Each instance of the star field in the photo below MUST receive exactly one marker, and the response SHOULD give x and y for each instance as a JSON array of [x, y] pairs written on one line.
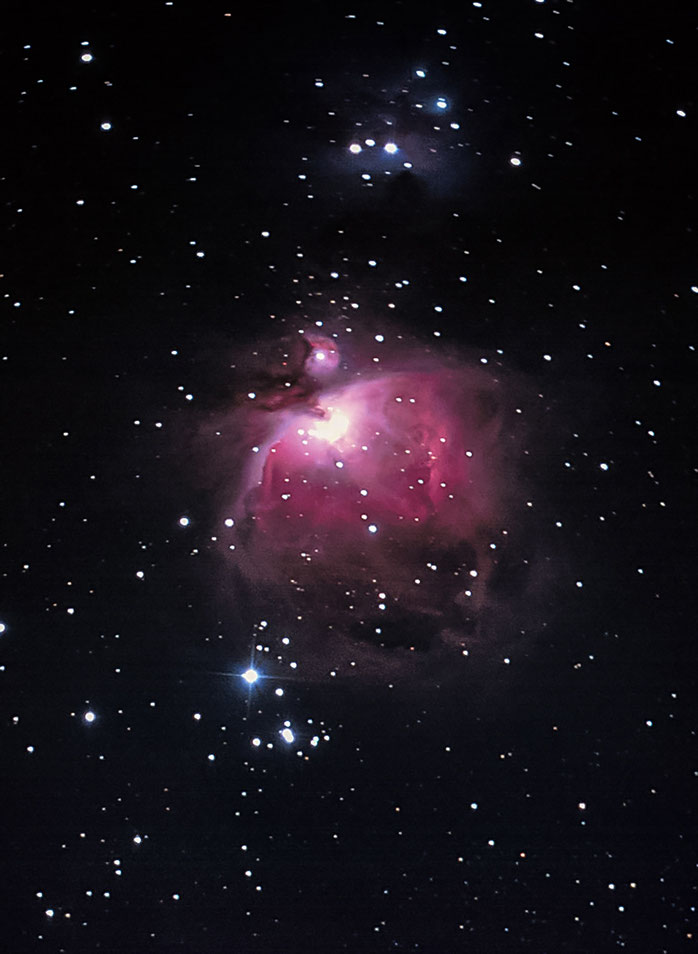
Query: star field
[[349, 365]]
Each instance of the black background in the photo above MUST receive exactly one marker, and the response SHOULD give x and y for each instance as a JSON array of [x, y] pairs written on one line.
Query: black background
[[370, 843]]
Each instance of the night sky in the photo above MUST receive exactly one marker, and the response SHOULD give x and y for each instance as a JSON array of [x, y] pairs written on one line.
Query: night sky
[[348, 552]]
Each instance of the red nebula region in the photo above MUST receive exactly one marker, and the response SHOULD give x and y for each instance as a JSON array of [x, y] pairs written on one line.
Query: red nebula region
[[376, 492], [375, 459]]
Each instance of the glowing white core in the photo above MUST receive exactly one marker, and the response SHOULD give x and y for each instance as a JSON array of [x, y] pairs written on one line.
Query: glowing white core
[[250, 676], [332, 428]]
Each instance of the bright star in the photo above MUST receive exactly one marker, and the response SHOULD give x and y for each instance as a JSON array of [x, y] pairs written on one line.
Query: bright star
[[250, 676]]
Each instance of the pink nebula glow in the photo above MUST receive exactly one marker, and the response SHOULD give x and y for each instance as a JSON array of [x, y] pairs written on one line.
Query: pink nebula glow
[[379, 496]]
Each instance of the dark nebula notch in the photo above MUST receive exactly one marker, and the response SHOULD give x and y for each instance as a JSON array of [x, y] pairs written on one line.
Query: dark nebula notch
[[373, 496]]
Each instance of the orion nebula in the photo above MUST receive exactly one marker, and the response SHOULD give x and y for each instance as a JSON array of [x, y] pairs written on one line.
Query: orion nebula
[[373, 486]]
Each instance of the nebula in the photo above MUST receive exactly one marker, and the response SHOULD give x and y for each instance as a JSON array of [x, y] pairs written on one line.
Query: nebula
[[374, 489]]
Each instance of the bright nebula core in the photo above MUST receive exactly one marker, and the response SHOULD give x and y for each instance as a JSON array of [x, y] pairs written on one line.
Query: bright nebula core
[[375, 489]]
